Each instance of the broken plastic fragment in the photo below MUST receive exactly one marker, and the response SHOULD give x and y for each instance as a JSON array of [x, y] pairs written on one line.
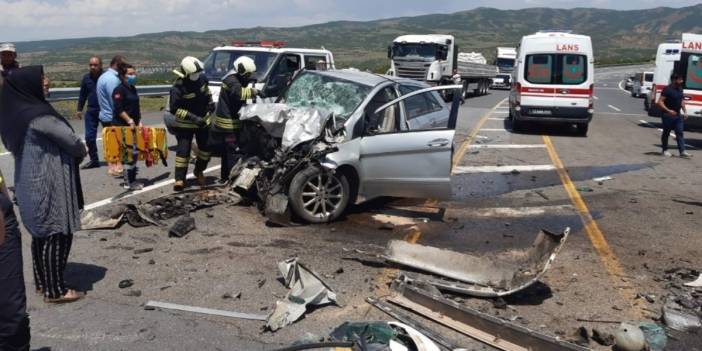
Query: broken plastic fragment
[[306, 288], [486, 276], [696, 284]]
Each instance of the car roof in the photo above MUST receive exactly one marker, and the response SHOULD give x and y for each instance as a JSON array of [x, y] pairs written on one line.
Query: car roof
[[367, 78], [271, 49]]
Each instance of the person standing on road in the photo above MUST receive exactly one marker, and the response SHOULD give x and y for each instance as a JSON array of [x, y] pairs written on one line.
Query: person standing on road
[[88, 93], [458, 80], [127, 113], [14, 322], [191, 103], [8, 58], [106, 85], [234, 95], [672, 105], [47, 153]]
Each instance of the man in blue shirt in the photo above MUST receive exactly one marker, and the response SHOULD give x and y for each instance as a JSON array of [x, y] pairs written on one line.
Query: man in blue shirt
[[106, 84], [672, 104], [88, 93]]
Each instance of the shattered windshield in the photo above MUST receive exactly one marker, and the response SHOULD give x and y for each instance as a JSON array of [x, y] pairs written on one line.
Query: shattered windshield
[[338, 96], [414, 51]]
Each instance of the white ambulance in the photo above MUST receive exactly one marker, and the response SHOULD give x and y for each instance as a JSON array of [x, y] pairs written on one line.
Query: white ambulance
[[668, 53], [690, 66], [684, 58], [553, 80]]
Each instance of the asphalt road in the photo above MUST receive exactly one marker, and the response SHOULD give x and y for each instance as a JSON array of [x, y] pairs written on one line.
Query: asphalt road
[[626, 232]]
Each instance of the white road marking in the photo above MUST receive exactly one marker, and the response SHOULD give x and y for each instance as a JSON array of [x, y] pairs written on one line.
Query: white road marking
[[614, 108], [502, 169], [508, 146], [108, 201], [513, 212], [595, 97], [497, 118]]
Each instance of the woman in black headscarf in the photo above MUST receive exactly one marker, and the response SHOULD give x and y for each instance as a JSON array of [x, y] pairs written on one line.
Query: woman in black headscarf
[[47, 182]]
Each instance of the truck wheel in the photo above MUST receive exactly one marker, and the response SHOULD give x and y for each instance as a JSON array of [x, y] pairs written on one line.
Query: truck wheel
[[582, 129], [319, 196], [517, 125]]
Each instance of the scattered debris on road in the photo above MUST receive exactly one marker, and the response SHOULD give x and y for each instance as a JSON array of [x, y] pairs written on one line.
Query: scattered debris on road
[[382, 335], [484, 276], [490, 330], [182, 226], [629, 337], [601, 180], [126, 283], [695, 284], [171, 306], [306, 288]]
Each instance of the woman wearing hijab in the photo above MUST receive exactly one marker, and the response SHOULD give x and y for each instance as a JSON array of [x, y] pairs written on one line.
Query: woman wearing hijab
[[127, 112], [47, 182]]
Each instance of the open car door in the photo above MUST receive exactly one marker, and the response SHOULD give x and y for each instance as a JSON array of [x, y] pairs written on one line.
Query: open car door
[[405, 159]]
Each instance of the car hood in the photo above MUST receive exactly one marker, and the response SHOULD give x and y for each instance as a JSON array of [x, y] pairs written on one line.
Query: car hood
[[294, 125]]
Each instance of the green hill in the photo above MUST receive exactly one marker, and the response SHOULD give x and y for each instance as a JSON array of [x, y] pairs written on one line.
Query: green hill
[[618, 37]]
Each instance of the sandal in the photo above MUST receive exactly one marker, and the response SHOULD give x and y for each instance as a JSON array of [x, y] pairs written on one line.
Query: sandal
[[66, 298]]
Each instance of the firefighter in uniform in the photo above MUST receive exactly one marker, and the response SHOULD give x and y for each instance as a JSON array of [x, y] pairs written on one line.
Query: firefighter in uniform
[[235, 94], [190, 103]]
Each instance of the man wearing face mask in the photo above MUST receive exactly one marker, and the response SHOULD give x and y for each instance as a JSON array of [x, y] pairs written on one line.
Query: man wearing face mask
[[235, 94], [191, 103]]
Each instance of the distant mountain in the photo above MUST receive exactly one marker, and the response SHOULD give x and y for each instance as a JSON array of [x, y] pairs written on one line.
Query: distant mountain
[[618, 36]]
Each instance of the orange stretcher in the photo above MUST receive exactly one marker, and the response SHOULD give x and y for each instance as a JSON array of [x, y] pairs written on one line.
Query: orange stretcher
[[151, 144]]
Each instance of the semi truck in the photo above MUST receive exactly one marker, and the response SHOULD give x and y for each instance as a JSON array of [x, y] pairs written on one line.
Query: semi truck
[[432, 58], [505, 58]]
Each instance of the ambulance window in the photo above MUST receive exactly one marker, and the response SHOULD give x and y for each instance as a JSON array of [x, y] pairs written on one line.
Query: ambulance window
[[648, 77], [539, 68], [573, 69], [693, 78]]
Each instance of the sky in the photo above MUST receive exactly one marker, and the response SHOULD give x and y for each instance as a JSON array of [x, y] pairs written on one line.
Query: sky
[[24, 20]]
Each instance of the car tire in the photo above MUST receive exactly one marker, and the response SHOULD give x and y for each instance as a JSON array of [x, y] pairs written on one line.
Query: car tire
[[312, 189], [582, 129]]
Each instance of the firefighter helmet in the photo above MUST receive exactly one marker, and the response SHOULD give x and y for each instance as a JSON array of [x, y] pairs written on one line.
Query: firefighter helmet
[[244, 65], [191, 66]]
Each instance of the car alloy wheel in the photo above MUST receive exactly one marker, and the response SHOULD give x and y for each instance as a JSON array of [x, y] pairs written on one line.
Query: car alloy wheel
[[318, 196]]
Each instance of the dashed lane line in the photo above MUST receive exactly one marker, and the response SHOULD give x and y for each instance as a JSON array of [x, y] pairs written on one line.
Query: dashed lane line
[[129, 194], [614, 108], [458, 156], [597, 238], [495, 130]]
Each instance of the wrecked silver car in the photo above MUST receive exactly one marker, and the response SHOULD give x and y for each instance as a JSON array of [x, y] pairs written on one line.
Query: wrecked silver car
[[340, 137]]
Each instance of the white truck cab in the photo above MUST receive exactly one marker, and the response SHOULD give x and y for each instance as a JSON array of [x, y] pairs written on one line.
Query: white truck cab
[[427, 57], [275, 64], [505, 59], [553, 80]]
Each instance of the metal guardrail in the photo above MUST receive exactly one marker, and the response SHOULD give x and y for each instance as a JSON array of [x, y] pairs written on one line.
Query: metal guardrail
[[65, 94]]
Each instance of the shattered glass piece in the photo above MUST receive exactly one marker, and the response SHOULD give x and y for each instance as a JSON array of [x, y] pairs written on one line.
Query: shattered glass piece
[[487, 275], [306, 288]]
